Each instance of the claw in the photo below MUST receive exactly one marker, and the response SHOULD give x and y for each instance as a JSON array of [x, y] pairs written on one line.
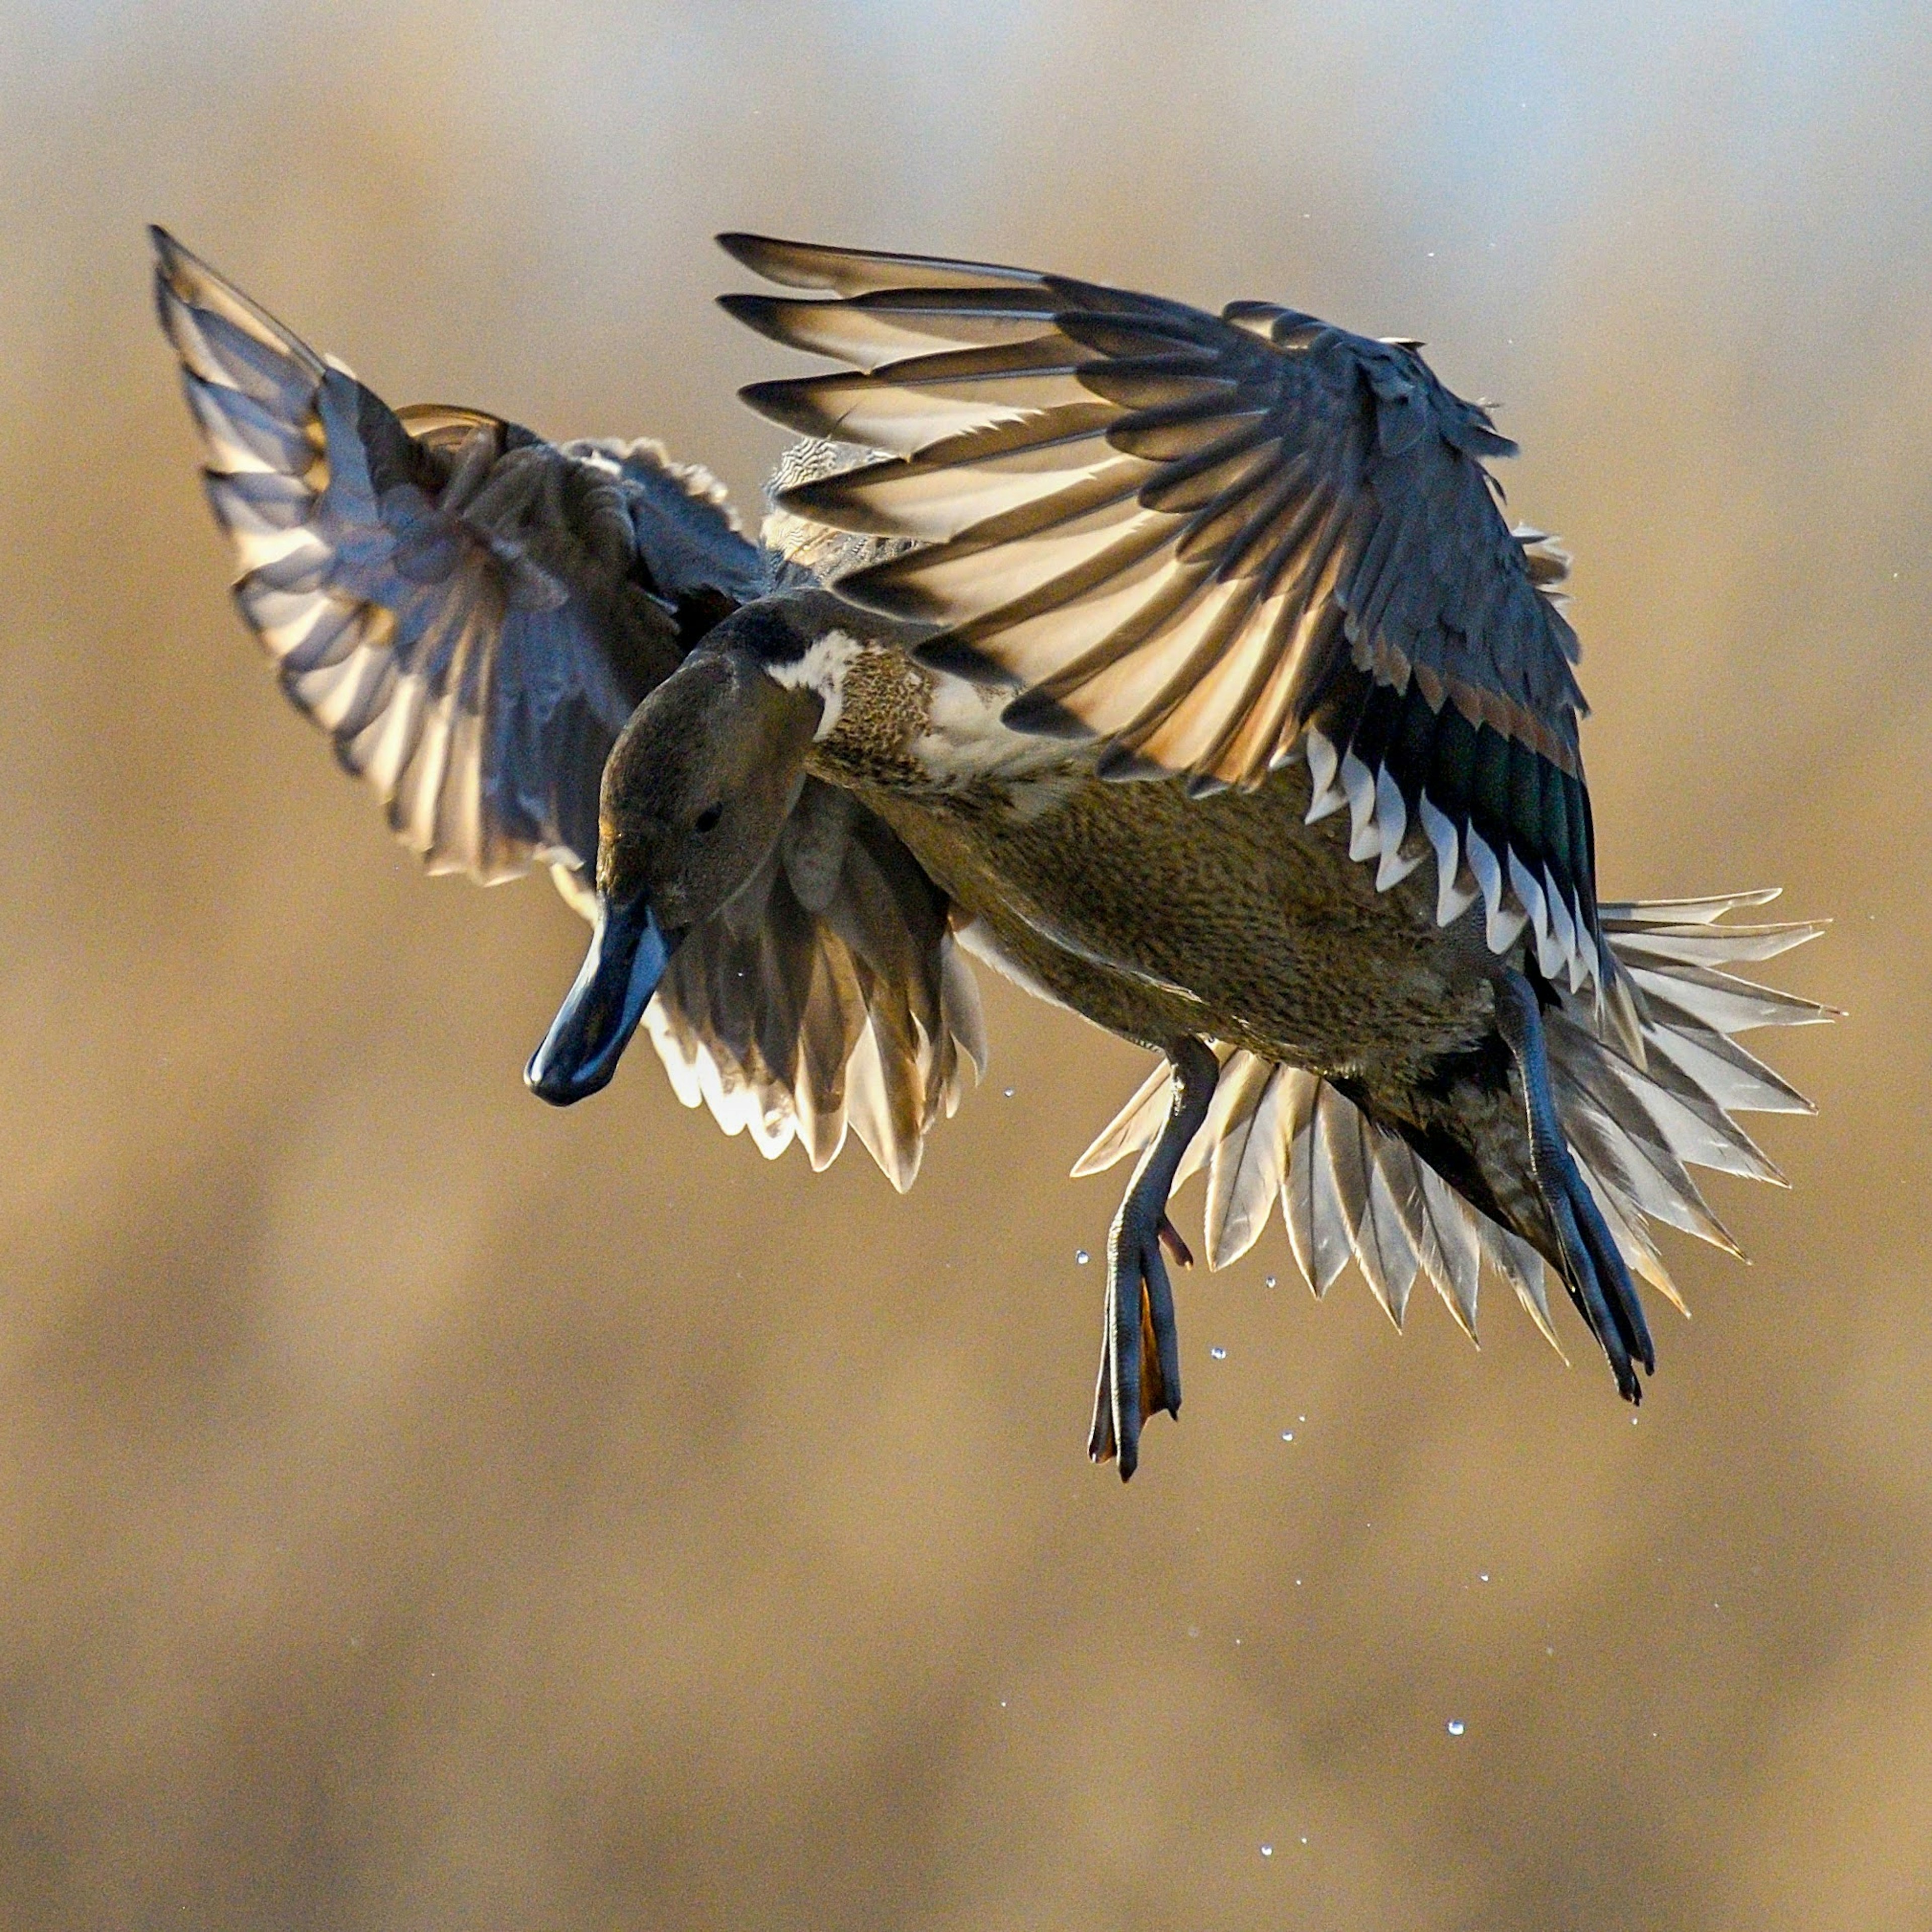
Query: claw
[[1178, 1249]]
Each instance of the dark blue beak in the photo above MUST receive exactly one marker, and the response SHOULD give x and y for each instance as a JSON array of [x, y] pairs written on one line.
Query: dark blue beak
[[629, 953]]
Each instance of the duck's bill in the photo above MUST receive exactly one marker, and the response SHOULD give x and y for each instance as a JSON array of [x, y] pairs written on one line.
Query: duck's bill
[[629, 953]]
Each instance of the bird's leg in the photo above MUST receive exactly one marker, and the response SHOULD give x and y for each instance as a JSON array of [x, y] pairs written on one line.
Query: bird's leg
[[1140, 1350], [1593, 1271]]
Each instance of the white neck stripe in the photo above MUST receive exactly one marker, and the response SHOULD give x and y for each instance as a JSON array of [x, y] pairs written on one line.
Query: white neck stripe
[[822, 669]]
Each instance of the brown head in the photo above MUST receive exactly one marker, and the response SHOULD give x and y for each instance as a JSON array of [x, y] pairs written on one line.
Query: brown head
[[695, 793]]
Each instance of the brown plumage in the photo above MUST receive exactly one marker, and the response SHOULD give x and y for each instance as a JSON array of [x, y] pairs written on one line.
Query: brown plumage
[[1181, 666]]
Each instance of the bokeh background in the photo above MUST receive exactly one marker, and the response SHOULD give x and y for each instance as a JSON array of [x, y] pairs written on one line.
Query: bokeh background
[[421, 1509]]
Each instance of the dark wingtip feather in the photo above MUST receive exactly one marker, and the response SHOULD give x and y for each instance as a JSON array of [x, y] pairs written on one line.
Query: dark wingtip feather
[[812, 265], [790, 404], [857, 271], [883, 588], [174, 267], [1041, 716], [181, 268], [184, 285], [768, 256], [764, 314], [951, 655], [1121, 764], [826, 500]]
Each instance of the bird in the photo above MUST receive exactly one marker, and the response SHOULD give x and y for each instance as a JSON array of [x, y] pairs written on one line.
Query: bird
[[1180, 666]]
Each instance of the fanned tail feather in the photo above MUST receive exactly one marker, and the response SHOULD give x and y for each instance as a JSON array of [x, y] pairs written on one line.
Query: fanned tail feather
[[1638, 1113]]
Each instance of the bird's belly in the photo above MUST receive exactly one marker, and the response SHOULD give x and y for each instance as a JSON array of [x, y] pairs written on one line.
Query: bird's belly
[[1156, 915]]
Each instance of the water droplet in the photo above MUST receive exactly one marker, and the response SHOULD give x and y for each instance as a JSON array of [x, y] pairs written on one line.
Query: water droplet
[[1270, 1281], [1081, 1257], [1267, 1851], [1455, 1727], [1219, 1354]]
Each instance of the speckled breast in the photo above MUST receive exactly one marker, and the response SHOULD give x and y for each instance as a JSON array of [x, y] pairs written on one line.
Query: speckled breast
[[1157, 915]]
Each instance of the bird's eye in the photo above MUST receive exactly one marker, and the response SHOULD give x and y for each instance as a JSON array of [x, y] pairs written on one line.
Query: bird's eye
[[706, 820]]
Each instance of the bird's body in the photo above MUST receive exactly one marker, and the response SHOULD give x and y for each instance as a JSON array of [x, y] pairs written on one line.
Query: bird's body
[[1154, 914], [1179, 666]]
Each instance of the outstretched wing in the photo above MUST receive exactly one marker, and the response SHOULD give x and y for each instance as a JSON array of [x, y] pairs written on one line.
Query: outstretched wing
[[470, 613], [1215, 542]]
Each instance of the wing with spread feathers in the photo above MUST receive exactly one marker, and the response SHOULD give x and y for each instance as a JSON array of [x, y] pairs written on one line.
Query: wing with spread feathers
[[1215, 543], [472, 613], [469, 612]]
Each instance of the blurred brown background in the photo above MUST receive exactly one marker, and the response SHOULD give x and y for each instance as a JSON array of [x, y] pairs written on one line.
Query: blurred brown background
[[419, 1509]]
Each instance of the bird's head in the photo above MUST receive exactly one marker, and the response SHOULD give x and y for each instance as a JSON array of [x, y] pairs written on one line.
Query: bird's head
[[695, 793]]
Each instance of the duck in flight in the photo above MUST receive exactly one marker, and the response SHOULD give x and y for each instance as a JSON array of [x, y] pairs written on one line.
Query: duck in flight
[[1181, 667]]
